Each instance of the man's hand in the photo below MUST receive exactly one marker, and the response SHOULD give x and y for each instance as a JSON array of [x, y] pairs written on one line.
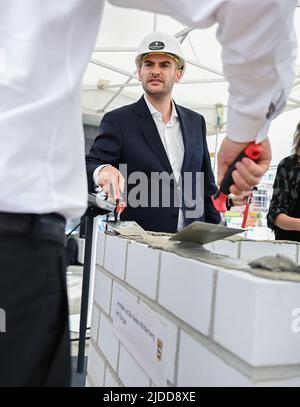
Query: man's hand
[[247, 173], [111, 181], [240, 200]]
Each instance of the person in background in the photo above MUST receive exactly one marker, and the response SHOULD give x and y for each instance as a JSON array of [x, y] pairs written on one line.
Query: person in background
[[284, 212], [156, 137]]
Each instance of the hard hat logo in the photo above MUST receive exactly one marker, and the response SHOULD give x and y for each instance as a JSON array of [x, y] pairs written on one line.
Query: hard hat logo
[[156, 46], [158, 42]]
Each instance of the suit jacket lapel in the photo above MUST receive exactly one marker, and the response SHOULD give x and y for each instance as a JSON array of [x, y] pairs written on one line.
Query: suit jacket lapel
[[150, 132], [187, 137]]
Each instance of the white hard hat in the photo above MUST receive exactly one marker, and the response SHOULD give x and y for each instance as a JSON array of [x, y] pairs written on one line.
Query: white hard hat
[[161, 43]]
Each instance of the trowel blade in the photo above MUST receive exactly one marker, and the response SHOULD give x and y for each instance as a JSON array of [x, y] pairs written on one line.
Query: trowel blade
[[203, 233]]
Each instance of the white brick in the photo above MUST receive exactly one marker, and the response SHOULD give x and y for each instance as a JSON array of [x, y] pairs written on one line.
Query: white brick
[[95, 366], [102, 290], [185, 289], [142, 268], [210, 246], [292, 382], [227, 247], [100, 249], [95, 323], [81, 246], [109, 380], [199, 367], [107, 341], [253, 318], [88, 382], [115, 255], [254, 250], [172, 343], [130, 372]]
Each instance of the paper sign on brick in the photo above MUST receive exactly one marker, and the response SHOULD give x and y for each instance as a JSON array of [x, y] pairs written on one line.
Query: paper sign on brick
[[144, 335]]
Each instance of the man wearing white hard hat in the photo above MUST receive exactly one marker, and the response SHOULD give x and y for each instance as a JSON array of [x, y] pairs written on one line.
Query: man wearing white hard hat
[[156, 136], [161, 44]]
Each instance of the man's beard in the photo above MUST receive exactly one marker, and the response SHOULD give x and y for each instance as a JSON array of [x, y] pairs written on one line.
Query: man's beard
[[166, 90]]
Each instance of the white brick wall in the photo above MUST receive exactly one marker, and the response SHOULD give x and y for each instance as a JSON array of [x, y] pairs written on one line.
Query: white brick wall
[[81, 246], [115, 255], [109, 380], [253, 250], [130, 372], [95, 366], [103, 288], [95, 323], [253, 318], [100, 249], [107, 341], [227, 247], [88, 382], [291, 382], [142, 268], [185, 289], [199, 367], [210, 246]]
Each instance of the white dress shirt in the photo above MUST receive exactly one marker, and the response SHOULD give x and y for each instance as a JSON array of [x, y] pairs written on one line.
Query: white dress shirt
[[171, 137], [44, 49]]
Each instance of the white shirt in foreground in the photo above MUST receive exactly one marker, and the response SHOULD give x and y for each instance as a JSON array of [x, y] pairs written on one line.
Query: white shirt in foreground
[[44, 49]]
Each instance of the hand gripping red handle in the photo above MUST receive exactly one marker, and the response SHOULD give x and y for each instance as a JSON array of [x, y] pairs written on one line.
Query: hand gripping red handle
[[252, 151]]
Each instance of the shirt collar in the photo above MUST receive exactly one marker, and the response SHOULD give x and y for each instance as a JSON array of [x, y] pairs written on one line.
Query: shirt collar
[[156, 113]]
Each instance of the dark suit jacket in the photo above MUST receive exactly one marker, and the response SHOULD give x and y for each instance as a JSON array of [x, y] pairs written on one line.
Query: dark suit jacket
[[128, 135]]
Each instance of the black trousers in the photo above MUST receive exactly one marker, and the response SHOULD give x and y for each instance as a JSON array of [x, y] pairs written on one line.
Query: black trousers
[[35, 347]]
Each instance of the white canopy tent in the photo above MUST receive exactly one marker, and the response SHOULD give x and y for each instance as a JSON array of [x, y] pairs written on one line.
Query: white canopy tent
[[110, 80]]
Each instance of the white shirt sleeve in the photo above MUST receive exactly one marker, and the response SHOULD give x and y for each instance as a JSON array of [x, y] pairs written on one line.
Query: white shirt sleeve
[[259, 50]]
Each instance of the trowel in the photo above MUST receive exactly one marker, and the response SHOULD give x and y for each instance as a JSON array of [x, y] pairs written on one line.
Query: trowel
[[203, 233]]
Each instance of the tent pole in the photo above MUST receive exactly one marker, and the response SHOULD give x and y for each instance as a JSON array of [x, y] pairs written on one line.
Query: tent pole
[[215, 151], [219, 125]]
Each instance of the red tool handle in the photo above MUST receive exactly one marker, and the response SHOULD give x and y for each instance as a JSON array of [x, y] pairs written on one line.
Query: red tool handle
[[121, 205], [245, 218], [252, 151], [246, 213]]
